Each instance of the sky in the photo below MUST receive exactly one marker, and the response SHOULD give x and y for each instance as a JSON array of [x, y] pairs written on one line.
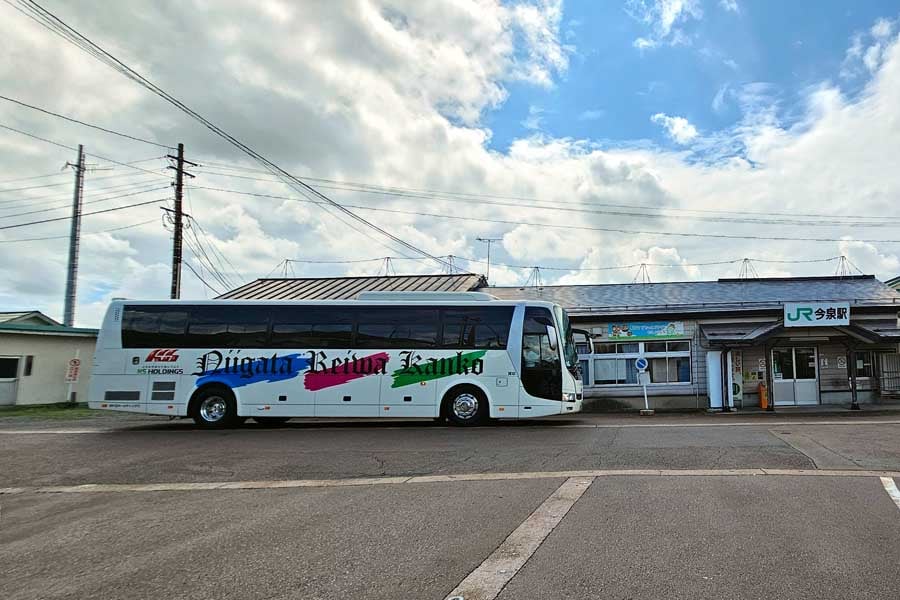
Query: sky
[[586, 137]]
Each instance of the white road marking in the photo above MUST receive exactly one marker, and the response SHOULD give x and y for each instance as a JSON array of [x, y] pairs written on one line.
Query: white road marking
[[363, 481], [891, 488], [492, 575], [359, 426]]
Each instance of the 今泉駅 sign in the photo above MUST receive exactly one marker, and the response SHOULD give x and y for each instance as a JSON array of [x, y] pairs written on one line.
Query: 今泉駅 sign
[[816, 314], [650, 330]]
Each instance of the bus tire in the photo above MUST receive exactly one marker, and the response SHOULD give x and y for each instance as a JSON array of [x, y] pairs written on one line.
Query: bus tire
[[465, 406], [214, 407], [271, 421]]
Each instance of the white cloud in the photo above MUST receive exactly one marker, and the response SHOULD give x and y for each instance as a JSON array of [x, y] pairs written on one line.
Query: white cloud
[[677, 128], [868, 49], [730, 5], [662, 17], [592, 114], [395, 94], [719, 100], [535, 118]]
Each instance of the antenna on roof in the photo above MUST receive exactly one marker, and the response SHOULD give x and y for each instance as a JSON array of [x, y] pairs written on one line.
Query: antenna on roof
[[535, 279], [388, 267], [748, 271], [845, 268], [643, 274], [450, 268]]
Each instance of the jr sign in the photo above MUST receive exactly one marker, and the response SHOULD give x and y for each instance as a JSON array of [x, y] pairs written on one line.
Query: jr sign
[[816, 314]]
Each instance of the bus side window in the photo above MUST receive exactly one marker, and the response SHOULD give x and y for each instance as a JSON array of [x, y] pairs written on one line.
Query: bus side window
[[481, 327], [153, 327], [397, 328], [313, 327], [228, 326]]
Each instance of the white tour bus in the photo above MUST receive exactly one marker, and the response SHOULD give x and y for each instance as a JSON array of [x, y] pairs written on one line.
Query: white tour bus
[[460, 356]]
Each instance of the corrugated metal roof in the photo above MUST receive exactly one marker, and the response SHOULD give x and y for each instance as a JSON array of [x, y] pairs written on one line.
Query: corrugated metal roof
[[346, 288], [705, 296]]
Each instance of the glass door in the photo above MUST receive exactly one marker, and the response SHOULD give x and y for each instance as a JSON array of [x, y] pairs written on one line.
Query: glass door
[[795, 376], [806, 382]]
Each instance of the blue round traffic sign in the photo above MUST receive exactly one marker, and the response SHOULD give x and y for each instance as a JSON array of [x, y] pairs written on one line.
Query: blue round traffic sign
[[641, 364]]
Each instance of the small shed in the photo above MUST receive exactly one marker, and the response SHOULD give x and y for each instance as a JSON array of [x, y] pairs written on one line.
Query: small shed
[[42, 361]]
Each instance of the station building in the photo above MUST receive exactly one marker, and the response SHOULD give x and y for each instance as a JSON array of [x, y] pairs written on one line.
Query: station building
[[709, 344]]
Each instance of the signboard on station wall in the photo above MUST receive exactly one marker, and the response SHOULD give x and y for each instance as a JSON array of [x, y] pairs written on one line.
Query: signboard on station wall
[[816, 314], [73, 369], [650, 330]]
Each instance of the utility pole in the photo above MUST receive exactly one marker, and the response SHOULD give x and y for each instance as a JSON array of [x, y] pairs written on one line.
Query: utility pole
[[72, 276], [488, 241], [178, 221]]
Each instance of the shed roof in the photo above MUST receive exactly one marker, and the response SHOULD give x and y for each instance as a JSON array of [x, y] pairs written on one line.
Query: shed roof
[[35, 317], [29, 328], [346, 288], [706, 296]]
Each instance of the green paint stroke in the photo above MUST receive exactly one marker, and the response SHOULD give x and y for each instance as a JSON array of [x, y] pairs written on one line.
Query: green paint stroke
[[428, 369]]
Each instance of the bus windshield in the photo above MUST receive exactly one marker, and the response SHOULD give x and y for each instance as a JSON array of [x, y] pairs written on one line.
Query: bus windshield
[[569, 353]]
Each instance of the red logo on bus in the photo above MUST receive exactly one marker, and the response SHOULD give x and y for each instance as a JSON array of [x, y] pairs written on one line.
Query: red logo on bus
[[162, 355]]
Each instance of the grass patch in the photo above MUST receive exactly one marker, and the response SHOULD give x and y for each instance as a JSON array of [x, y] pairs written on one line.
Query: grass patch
[[50, 411]]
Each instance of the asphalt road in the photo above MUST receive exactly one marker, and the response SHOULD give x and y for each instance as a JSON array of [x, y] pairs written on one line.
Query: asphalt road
[[806, 516]]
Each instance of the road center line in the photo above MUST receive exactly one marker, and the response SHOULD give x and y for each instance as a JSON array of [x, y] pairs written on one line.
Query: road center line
[[891, 488], [87, 488], [492, 575]]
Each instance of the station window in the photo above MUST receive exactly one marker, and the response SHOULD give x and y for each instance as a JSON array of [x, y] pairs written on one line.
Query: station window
[[864, 363], [613, 363]]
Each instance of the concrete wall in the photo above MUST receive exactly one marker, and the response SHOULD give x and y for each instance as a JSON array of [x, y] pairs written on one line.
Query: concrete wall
[[46, 384]]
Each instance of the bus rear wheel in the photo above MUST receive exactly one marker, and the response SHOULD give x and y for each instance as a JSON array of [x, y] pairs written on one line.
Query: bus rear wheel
[[466, 406], [214, 408]]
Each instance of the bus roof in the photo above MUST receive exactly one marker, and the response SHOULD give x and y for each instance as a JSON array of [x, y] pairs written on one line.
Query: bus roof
[[445, 300]]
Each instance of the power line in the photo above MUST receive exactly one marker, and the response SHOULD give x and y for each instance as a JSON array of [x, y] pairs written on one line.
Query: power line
[[558, 226], [34, 212], [57, 174], [50, 21], [49, 185], [566, 269], [72, 120], [115, 162], [203, 281], [429, 193], [65, 237], [36, 201], [96, 212]]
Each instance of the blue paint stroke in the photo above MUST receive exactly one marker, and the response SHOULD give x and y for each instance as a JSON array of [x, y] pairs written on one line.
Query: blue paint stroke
[[259, 371]]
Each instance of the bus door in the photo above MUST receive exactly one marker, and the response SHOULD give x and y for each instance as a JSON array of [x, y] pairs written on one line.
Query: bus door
[[541, 365]]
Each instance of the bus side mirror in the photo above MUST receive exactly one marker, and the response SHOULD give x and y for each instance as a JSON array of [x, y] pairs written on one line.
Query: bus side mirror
[[587, 336], [551, 333]]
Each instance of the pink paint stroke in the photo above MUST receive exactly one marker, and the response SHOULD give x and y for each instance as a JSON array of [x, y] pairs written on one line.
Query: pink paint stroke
[[320, 380]]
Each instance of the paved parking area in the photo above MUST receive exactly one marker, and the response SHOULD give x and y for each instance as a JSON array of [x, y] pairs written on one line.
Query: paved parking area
[[440, 508]]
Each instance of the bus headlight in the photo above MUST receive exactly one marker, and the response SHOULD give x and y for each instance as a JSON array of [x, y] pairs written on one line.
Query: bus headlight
[[568, 397]]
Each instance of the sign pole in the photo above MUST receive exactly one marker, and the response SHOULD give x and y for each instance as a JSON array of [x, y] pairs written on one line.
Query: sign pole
[[72, 375], [643, 378]]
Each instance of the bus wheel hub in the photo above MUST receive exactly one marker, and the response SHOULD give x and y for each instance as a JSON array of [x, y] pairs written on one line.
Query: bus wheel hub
[[213, 408], [465, 406]]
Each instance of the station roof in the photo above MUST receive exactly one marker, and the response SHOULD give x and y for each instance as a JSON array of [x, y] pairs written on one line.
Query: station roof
[[724, 295], [346, 288]]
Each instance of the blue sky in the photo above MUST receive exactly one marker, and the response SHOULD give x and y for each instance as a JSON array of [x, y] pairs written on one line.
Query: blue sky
[[612, 87]]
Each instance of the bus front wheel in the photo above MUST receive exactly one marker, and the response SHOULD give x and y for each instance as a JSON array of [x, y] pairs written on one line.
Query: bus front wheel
[[214, 408], [466, 406]]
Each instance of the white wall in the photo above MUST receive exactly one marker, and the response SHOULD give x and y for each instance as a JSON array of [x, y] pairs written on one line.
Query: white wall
[[46, 384]]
